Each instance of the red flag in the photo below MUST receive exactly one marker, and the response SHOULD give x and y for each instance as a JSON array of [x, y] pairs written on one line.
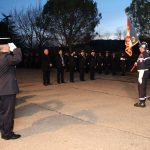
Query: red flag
[[131, 37]]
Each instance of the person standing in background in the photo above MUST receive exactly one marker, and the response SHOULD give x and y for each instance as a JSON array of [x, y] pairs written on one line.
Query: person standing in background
[[93, 65], [107, 62], [82, 65], [46, 65], [100, 63], [114, 63], [123, 64], [60, 64], [72, 65]]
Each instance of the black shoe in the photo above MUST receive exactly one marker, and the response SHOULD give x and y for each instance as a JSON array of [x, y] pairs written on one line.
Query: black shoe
[[140, 105], [49, 83], [11, 136]]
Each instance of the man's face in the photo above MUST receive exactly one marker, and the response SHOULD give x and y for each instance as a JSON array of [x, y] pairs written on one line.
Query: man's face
[[46, 52], [142, 49], [93, 53], [60, 52], [82, 53]]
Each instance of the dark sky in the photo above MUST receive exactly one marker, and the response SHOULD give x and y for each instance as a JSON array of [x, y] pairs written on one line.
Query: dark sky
[[112, 11]]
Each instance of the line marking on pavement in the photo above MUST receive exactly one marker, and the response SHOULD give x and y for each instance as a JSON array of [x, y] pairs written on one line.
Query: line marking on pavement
[[106, 93]]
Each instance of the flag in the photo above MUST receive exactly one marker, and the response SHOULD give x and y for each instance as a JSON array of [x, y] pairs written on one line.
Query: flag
[[131, 37]]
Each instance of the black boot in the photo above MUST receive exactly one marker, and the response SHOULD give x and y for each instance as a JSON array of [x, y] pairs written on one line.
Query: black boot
[[141, 104]]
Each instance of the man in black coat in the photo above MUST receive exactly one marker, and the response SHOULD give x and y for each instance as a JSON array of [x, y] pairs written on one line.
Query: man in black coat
[[100, 63], [60, 64], [114, 63], [72, 65], [93, 65], [10, 56], [107, 62], [82, 65], [46, 65], [123, 64]]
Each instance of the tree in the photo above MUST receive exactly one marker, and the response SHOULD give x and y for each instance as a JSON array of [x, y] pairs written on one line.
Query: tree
[[139, 12], [71, 22], [107, 35], [118, 33], [32, 27]]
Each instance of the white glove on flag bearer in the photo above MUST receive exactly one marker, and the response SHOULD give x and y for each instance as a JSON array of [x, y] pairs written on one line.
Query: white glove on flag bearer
[[141, 73], [12, 46]]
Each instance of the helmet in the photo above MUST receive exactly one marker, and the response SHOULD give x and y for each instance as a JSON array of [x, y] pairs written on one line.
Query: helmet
[[144, 45]]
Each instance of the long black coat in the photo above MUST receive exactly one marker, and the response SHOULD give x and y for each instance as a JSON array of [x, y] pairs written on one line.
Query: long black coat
[[46, 63], [72, 62], [93, 62], [59, 62], [8, 81], [82, 62]]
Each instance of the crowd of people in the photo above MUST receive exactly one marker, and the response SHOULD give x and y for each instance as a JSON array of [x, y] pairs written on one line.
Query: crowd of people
[[83, 63]]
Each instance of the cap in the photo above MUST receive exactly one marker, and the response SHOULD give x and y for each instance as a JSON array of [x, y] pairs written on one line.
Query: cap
[[5, 40], [4, 33]]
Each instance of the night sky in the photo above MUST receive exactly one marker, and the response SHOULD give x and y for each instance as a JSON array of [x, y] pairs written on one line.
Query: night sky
[[112, 11]]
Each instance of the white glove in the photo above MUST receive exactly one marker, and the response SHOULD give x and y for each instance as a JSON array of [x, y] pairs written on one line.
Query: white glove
[[141, 73], [12, 46]]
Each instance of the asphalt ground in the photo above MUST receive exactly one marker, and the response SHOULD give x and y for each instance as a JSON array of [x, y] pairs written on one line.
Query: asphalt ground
[[90, 115]]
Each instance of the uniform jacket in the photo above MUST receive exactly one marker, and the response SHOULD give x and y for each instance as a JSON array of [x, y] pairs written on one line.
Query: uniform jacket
[[145, 64], [8, 81], [46, 63], [59, 62], [72, 62], [93, 62], [82, 62]]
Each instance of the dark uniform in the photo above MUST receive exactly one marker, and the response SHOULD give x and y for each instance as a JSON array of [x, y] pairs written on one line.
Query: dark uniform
[[114, 64], [123, 64], [46, 69], [100, 64], [107, 62], [60, 63], [93, 65], [72, 65], [143, 65], [8, 91], [82, 66]]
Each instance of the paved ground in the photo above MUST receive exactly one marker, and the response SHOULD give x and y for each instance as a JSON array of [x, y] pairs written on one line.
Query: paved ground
[[91, 115]]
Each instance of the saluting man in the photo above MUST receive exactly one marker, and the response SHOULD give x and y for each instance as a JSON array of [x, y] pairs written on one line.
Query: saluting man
[[143, 65], [10, 56]]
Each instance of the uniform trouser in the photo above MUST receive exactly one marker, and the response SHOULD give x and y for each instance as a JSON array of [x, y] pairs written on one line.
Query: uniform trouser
[[7, 113], [71, 74], [113, 70], [99, 69], [123, 70], [82, 73], [92, 73], [142, 90], [60, 75], [46, 77], [106, 70]]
